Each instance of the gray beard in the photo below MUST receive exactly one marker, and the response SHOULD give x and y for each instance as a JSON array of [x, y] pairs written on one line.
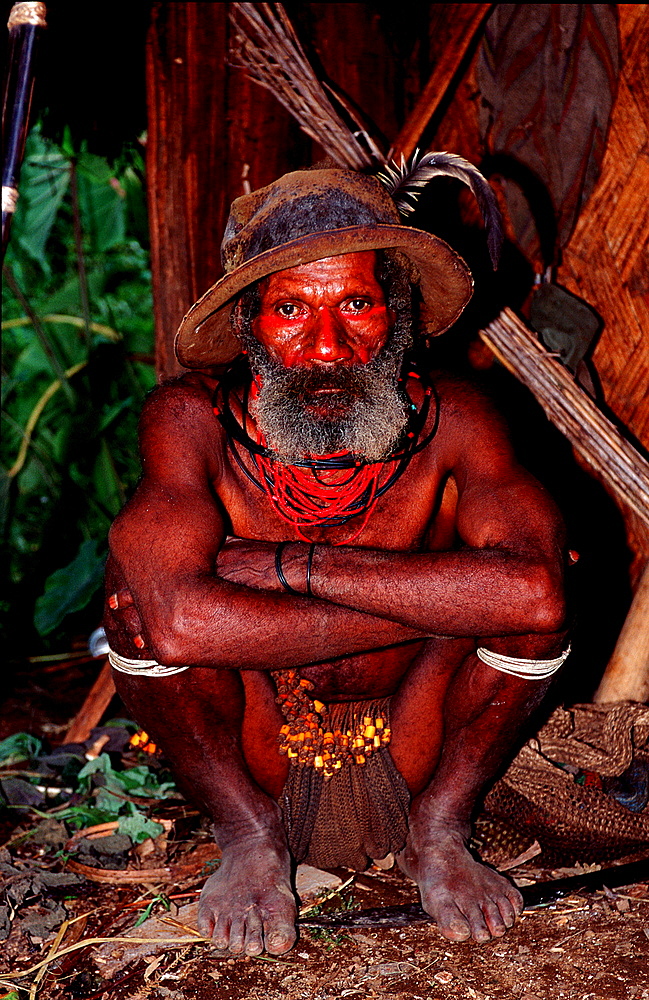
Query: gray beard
[[365, 415]]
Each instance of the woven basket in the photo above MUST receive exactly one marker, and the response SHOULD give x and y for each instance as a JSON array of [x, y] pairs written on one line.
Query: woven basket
[[544, 801]]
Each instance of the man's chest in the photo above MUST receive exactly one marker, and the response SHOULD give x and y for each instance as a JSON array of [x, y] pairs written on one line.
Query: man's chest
[[390, 512]]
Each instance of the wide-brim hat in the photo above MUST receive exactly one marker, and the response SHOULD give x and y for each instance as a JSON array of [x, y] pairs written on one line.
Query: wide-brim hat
[[308, 215]]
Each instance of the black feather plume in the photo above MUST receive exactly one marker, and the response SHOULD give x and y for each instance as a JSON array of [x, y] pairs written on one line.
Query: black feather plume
[[405, 182]]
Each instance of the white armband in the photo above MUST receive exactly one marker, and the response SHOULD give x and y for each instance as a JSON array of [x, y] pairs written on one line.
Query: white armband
[[145, 668], [532, 670]]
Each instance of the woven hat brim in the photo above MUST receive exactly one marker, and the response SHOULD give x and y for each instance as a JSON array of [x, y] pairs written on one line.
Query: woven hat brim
[[205, 337]]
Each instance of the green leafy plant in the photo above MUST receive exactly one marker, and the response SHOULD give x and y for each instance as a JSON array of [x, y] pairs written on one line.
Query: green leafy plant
[[19, 747], [159, 899], [77, 363], [98, 790]]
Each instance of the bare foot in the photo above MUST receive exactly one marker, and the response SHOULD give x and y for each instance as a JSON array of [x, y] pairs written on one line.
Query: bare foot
[[247, 905], [464, 897]]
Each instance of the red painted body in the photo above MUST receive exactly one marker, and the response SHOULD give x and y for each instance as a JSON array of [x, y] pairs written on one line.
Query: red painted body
[[466, 548]]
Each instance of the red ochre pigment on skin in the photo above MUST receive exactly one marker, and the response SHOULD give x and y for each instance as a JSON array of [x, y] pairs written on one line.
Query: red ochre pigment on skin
[[340, 313]]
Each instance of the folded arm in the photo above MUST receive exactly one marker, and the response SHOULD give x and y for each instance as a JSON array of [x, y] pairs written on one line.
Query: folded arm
[[164, 548], [506, 578]]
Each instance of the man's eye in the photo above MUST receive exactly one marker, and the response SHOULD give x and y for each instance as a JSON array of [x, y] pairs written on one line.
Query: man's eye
[[287, 309], [358, 305]]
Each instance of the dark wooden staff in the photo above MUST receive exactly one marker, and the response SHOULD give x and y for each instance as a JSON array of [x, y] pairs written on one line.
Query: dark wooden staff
[[26, 23]]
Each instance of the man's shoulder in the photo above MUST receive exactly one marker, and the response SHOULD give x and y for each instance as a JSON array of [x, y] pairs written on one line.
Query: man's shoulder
[[178, 417], [471, 432], [462, 400], [184, 396]]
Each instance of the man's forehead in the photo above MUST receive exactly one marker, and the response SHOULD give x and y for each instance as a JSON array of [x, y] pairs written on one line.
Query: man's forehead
[[359, 267]]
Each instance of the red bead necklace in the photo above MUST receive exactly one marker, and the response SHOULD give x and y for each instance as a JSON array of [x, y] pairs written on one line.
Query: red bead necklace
[[326, 491]]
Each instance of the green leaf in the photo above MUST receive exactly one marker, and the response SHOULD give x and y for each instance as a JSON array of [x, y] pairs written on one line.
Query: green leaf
[[112, 413], [102, 212], [139, 827], [100, 764], [145, 914], [108, 488], [94, 167], [79, 816], [20, 746], [71, 588], [44, 179], [109, 803]]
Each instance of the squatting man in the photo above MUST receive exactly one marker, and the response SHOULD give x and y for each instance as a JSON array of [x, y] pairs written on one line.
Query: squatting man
[[335, 597]]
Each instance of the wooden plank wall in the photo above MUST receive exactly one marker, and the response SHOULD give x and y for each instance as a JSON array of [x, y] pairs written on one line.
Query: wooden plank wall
[[210, 131], [606, 259]]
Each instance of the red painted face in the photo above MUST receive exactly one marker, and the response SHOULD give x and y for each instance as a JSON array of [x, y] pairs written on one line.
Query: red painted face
[[328, 312]]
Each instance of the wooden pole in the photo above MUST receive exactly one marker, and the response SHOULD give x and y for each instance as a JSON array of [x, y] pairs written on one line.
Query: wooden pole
[[469, 21], [96, 703], [627, 674]]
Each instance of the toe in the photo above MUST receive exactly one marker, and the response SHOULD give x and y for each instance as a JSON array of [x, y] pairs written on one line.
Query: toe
[[479, 929], [205, 921], [280, 940], [254, 943], [494, 919], [237, 935], [508, 911], [452, 923], [221, 933], [515, 900]]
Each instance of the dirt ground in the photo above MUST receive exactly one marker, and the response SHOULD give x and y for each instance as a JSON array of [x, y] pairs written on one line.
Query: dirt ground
[[591, 945]]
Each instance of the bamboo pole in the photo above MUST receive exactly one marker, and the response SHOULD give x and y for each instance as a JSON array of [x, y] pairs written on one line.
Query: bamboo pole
[[627, 674], [615, 461]]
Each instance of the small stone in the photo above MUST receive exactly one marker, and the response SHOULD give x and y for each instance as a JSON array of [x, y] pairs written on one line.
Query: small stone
[[443, 977], [310, 881]]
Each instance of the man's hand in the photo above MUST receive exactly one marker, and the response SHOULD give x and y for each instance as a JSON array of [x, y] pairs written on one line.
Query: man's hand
[[252, 564], [122, 619]]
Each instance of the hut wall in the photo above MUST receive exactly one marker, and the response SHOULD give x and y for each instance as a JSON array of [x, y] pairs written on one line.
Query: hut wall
[[606, 260], [211, 132]]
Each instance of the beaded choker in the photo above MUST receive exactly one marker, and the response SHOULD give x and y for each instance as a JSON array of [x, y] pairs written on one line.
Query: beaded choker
[[326, 491]]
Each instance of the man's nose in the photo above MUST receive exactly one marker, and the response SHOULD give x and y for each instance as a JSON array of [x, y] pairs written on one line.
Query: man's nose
[[328, 341]]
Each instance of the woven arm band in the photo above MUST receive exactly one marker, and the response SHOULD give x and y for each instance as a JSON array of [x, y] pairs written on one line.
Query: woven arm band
[[144, 668], [531, 670]]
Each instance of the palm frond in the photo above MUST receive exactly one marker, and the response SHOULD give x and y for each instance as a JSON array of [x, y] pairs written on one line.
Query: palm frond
[[265, 44], [405, 181]]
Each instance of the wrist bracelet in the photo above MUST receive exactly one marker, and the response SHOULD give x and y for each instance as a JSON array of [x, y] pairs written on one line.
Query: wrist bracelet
[[280, 572], [309, 564]]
